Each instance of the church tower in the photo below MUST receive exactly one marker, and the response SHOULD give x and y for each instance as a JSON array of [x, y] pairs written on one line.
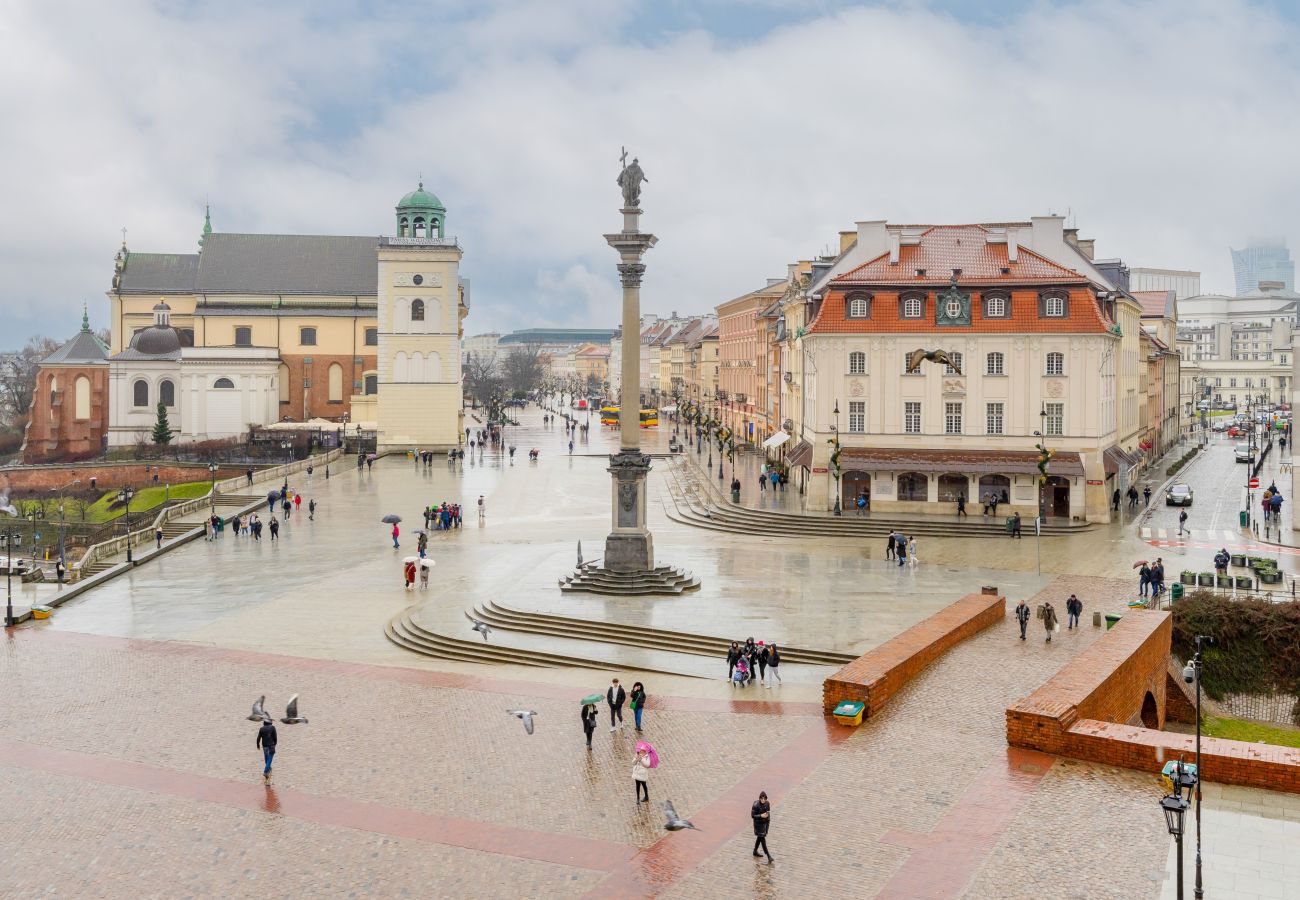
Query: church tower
[[422, 303]]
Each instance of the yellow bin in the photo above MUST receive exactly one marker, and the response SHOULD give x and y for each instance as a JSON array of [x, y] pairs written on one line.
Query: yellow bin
[[41, 612], [849, 712]]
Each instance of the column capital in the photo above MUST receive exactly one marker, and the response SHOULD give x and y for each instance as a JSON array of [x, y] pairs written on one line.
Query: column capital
[[631, 274]]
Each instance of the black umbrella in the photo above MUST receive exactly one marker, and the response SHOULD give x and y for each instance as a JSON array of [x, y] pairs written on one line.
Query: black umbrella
[[273, 495], [391, 520]]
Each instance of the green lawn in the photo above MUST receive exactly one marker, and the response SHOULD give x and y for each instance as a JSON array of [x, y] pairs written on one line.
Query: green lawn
[[1252, 732], [145, 499]]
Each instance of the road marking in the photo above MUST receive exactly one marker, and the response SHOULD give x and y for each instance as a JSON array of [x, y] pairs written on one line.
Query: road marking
[[1146, 533]]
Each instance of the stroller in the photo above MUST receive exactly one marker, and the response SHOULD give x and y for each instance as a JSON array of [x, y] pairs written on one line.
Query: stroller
[[741, 676]]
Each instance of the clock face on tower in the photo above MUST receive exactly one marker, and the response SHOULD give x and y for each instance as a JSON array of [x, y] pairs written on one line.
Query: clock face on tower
[[417, 279]]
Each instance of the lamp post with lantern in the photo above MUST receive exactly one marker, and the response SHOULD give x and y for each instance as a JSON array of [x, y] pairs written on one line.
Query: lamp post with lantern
[[124, 496]]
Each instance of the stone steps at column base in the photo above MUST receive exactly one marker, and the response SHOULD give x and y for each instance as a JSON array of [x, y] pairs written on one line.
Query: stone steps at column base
[[659, 580], [636, 636]]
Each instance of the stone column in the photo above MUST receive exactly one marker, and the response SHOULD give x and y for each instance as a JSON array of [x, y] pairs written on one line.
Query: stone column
[[629, 546]]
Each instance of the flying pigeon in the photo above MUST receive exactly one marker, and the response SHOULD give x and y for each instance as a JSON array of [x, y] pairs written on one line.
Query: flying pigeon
[[259, 711], [481, 627], [525, 716], [674, 822], [291, 716]]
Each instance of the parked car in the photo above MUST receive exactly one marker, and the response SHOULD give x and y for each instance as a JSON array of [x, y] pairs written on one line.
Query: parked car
[[1244, 453], [1219, 425], [1178, 495]]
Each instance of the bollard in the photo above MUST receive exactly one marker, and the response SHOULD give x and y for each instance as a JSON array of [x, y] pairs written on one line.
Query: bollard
[[1096, 618]]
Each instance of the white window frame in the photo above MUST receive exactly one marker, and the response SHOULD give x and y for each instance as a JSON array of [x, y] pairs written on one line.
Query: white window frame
[[858, 356], [911, 417], [1054, 355], [952, 417], [1054, 307], [995, 418], [1054, 423], [857, 416], [995, 312], [989, 363], [913, 308], [957, 358], [859, 308]]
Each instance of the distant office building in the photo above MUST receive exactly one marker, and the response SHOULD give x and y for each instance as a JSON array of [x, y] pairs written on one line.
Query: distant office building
[[1263, 260], [1181, 282]]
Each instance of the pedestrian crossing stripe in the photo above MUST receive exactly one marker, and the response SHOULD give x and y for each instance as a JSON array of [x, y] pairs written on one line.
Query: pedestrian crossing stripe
[[1194, 534]]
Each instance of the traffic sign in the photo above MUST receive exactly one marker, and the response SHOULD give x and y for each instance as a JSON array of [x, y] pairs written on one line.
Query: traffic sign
[[1254, 482]]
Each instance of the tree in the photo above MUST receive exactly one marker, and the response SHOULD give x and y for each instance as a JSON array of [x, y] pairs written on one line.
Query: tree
[[18, 378], [482, 377], [162, 429], [522, 368]]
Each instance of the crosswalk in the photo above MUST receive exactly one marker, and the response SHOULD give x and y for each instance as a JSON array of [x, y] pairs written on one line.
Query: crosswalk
[[1193, 534]]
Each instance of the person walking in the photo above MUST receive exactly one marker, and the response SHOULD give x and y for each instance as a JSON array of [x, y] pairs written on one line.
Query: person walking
[[482, 508], [761, 813], [589, 721], [900, 550], [890, 545], [641, 775], [733, 654], [311, 510], [1015, 526], [1022, 616], [1182, 521], [762, 482], [637, 703], [158, 536], [408, 575], [1114, 500], [422, 544], [1144, 580], [1073, 609], [1146, 494], [297, 502], [911, 551], [1049, 619], [615, 697], [961, 506], [275, 528], [249, 474], [396, 533], [266, 740], [762, 656], [774, 663]]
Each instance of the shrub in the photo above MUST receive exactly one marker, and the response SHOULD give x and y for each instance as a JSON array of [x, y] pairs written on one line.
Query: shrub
[[1255, 641]]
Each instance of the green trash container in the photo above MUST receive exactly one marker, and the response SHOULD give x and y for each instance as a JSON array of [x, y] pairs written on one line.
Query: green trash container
[[1010, 524], [1111, 619], [1242, 517], [1175, 592]]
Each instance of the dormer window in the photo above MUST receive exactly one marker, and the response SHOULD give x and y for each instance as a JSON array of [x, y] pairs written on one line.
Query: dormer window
[[997, 306], [920, 273], [1053, 305], [858, 306], [912, 306]]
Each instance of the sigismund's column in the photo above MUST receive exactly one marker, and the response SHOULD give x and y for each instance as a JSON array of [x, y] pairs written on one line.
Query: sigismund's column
[[629, 546]]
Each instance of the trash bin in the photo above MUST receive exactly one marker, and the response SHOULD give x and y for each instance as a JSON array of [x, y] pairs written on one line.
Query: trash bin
[[735, 496], [1010, 524], [1111, 619], [1243, 518], [849, 712], [1175, 592]]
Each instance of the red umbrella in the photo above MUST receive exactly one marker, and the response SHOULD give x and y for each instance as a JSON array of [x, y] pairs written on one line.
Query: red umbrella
[[1139, 564]]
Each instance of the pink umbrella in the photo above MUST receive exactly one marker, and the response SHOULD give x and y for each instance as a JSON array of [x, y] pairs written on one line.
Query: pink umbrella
[[651, 751]]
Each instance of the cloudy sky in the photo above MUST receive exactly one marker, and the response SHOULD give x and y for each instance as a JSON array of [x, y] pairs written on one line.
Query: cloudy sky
[[1168, 131]]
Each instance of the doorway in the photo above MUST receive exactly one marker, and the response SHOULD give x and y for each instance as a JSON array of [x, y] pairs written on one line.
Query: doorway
[[1058, 496]]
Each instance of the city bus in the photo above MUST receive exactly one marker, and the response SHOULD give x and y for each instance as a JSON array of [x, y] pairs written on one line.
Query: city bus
[[649, 417], [609, 415]]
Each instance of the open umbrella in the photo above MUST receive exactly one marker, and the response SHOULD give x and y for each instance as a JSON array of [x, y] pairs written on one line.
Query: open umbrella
[[426, 563], [371, 457], [418, 531], [410, 559], [1139, 564], [391, 519], [273, 495], [654, 754], [592, 698]]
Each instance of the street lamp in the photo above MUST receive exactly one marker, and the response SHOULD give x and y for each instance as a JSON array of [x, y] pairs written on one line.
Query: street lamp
[[1192, 673], [1175, 809], [287, 447], [124, 496], [9, 567], [212, 470], [62, 557], [835, 457]]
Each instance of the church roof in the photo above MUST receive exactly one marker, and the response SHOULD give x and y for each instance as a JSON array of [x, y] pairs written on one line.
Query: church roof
[[288, 264], [84, 349], [159, 273], [420, 199]]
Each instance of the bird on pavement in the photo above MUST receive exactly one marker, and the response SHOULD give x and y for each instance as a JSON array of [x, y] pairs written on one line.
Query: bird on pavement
[[291, 716], [481, 627], [674, 822], [525, 716], [259, 711]]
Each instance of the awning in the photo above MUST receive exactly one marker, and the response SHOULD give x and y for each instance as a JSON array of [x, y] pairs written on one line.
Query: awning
[[801, 455], [1116, 459], [959, 462], [776, 440]]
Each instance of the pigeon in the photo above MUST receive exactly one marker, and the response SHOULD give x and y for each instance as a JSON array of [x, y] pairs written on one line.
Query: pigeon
[[674, 822], [259, 711], [525, 716], [291, 716], [481, 627]]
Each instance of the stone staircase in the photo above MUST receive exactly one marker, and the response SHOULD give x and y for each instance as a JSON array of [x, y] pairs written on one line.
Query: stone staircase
[[695, 501], [660, 580]]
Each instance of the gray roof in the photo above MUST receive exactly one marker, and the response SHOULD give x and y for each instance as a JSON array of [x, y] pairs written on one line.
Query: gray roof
[[132, 353], [240, 311], [288, 264], [159, 273], [85, 348]]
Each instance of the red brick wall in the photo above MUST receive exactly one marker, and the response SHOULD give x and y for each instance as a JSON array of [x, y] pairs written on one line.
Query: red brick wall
[[55, 432], [318, 405], [42, 478], [1179, 706], [876, 676]]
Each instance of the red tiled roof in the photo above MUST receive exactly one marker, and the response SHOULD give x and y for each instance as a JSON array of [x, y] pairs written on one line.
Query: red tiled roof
[[1153, 303], [947, 247], [1020, 462], [1084, 315]]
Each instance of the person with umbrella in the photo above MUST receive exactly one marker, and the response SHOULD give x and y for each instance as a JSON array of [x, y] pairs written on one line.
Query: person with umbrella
[[641, 771], [637, 702], [408, 572], [425, 566], [393, 520], [589, 718]]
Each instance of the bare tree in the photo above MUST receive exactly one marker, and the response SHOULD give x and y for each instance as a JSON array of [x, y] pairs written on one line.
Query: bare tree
[[18, 378], [482, 376], [522, 368]]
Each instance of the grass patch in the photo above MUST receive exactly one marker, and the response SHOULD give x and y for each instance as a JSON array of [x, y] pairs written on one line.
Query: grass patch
[[1252, 732], [106, 508]]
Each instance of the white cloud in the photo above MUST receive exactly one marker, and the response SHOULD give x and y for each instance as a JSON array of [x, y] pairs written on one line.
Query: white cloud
[[1165, 127]]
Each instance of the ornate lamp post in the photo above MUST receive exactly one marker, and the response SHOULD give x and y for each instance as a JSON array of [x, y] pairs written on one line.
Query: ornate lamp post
[[1044, 460], [124, 496], [1192, 673], [12, 513], [62, 520], [1174, 807], [835, 457]]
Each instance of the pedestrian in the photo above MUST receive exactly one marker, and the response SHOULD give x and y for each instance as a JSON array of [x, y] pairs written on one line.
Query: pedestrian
[[1276, 506], [311, 510], [762, 482], [1114, 500], [862, 503], [641, 774], [1158, 578], [961, 506], [890, 545], [588, 721], [1221, 560], [570, 447], [310, 469], [637, 703], [1132, 497], [408, 575], [249, 473], [275, 528], [774, 478], [762, 656], [761, 813], [396, 532], [984, 502], [482, 508], [158, 536], [266, 739], [1015, 526], [421, 544], [911, 551], [1144, 579], [774, 663], [1182, 521], [741, 676], [297, 502], [900, 549], [1022, 616], [1146, 494], [1049, 619], [615, 697], [733, 654], [1073, 609], [993, 504]]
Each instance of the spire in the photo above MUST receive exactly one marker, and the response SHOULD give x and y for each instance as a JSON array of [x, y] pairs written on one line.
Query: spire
[[207, 224], [85, 319]]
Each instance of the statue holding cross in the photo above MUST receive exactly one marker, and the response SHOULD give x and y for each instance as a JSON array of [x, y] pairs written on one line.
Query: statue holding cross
[[630, 181]]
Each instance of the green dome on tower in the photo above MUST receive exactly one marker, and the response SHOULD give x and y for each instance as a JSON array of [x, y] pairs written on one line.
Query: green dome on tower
[[420, 199], [420, 214]]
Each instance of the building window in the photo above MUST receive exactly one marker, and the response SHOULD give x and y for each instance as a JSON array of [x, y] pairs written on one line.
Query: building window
[[952, 418], [223, 384], [1053, 305], [993, 418], [859, 306], [1232, 382], [372, 337], [140, 393], [1263, 382], [912, 307], [1055, 420], [167, 394], [993, 364], [1248, 384], [857, 416], [955, 367], [307, 337], [857, 363], [81, 397], [995, 306], [1218, 382], [417, 310], [912, 417], [371, 385], [243, 336], [913, 486], [1056, 364], [335, 383]]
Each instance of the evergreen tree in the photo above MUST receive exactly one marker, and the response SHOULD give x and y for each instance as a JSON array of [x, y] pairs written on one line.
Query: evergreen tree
[[162, 429]]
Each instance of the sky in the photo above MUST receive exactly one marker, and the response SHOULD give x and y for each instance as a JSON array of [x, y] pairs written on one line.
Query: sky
[[1165, 130]]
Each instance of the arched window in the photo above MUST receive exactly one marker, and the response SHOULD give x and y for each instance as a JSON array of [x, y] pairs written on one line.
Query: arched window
[[81, 397], [433, 226], [371, 384], [336, 383], [403, 226], [140, 392], [913, 486], [282, 379], [418, 230], [956, 367], [857, 363], [1056, 364], [433, 367], [54, 391], [859, 306], [399, 366], [223, 384], [167, 393], [995, 306], [415, 372], [993, 364], [913, 306], [417, 310]]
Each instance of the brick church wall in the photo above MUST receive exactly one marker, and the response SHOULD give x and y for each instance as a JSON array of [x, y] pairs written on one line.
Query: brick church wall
[[54, 432], [318, 402]]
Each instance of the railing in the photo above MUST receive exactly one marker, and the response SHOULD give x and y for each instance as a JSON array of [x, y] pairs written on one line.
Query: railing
[[114, 546]]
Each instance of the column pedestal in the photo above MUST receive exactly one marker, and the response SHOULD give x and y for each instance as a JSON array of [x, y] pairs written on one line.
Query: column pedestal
[[629, 546]]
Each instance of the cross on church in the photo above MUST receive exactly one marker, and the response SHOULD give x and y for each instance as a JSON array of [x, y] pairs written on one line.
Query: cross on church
[[123, 235], [623, 158]]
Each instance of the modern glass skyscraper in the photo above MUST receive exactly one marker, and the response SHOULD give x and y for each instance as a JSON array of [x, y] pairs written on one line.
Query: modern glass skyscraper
[[1263, 260]]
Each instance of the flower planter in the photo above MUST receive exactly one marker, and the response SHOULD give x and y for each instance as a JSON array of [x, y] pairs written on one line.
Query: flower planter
[[1187, 578], [1238, 559], [1245, 583], [1223, 581], [1205, 579], [1271, 577]]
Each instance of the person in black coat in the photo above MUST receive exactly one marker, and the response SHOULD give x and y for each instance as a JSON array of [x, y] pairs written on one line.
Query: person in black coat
[[615, 697], [589, 721], [733, 654], [266, 740], [761, 813]]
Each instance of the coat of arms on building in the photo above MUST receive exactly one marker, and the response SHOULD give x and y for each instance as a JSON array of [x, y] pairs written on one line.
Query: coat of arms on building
[[952, 307]]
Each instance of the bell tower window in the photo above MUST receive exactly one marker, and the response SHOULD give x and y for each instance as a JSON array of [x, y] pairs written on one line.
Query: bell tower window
[[403, 227], [419, 227]]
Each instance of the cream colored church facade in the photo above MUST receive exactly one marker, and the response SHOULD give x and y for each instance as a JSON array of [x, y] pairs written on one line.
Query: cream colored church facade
[[259, 328]]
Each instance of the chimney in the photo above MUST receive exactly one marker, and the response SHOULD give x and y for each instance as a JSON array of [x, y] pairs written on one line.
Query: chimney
[[1086, 246], [1071, 236], [1047, 232], [1013, 244], [846, 239], [893, 247], [873, 239]]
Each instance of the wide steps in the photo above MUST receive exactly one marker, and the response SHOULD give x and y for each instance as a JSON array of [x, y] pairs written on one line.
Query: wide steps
[[660, 580]]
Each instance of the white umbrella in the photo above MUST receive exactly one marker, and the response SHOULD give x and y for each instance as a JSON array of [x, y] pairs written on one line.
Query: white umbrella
[[411, 559], [426, 563]]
